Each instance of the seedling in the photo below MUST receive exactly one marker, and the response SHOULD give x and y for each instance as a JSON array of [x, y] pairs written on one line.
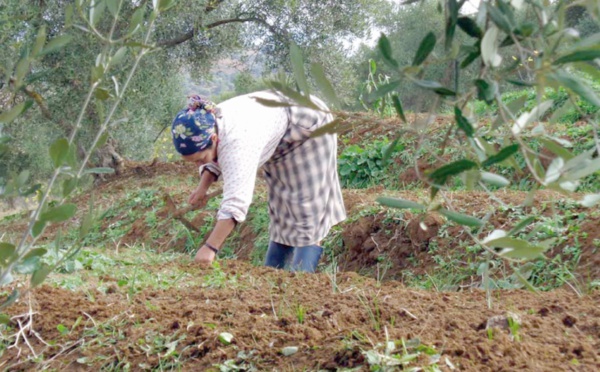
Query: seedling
[[514, 327], [300, 313], [373, 312]]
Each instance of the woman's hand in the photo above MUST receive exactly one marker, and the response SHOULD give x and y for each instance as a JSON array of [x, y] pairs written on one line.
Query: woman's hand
[[205, 256], [198, 197]]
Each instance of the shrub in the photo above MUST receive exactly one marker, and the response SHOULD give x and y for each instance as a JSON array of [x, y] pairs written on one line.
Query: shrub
[[363, 166]]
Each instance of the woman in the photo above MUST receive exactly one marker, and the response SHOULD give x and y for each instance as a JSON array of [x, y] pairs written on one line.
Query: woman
[[232, 140]]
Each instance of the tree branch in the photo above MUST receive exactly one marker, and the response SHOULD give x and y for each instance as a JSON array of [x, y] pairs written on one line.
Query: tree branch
[[190, 34]]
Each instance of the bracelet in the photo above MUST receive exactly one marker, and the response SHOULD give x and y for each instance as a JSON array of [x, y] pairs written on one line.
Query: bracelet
[[211, 247]]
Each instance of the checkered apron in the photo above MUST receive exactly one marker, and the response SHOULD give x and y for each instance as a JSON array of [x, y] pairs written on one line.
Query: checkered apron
[[305, 197]]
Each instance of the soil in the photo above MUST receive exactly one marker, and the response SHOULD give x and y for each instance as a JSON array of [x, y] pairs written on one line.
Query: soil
[[589, 262], [558, 330], [382, 247]]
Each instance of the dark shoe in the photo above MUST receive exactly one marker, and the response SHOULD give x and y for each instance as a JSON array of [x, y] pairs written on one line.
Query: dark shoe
[[306, 258], [278, 255]]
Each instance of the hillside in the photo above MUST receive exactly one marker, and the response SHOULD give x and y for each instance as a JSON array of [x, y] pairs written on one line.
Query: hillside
[[388, 293]]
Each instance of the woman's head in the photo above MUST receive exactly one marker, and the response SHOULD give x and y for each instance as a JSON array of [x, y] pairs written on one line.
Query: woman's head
[[194, 128]]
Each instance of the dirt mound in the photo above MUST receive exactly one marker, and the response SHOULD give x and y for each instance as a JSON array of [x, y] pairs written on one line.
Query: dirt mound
[[147, 170], [179, 328], [410, 175], [389, 246], [589, 259]]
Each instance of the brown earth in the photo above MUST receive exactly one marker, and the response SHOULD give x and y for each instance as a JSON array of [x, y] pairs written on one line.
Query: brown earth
[[377, 245], [558, 331], [134, 175], [589, 262]]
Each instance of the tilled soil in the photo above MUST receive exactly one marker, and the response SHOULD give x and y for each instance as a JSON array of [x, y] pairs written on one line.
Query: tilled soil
[[404, 245], [260, 308]]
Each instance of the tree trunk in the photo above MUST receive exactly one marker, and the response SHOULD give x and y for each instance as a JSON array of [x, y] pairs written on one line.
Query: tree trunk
[[108, 157]]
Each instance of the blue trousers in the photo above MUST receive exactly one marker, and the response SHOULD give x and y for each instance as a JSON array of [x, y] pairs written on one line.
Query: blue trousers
[[302, 258]]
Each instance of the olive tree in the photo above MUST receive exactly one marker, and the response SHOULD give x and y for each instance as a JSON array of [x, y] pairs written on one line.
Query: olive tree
[[110, 76], [187, 43]]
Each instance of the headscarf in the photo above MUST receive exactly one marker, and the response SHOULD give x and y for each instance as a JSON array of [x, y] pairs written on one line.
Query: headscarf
[[193, 126]]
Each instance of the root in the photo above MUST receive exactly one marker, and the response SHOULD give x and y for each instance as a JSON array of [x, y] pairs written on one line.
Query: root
[[26, 331]]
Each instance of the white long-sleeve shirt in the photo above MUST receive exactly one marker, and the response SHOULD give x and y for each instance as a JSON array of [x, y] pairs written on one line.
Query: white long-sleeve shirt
[[248, 133]]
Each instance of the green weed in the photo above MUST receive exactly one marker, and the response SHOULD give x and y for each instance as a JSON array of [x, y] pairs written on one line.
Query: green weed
[[372, 309], [402, 355], [514, 327], [300, 313], [217, 278]]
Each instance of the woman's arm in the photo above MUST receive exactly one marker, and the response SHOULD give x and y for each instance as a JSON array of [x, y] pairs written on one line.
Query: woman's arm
[[207, 179], [238, 164], [216, 239], [197, 197]]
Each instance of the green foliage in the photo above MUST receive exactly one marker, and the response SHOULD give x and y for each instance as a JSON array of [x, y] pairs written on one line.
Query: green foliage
[[245, 83], [562, 110], [402, 355], [413, 32], [259, 222], [375, 92], [67, 168], [363, 166]]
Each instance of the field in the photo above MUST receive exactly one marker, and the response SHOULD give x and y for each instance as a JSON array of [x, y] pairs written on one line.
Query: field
[[389, 295]]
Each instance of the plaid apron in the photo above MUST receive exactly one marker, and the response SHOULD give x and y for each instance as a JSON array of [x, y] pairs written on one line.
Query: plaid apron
[[305, 197]]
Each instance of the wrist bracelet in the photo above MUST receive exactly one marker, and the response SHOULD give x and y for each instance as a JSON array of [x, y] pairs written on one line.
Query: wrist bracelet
[[211, 247]]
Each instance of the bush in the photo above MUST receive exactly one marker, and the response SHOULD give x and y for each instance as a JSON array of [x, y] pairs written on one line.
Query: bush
[[364, 166], [560, 97]]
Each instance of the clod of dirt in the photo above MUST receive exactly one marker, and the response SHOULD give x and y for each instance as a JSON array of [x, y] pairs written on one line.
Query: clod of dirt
[[503, 321], [374, 241], [569, 321], [421, 229], [348, 358], [410, 175], [169, 204], [200, 219]]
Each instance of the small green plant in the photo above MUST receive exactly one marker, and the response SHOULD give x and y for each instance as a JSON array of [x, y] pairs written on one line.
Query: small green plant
[[163, 346], [217, 278], [372, 310], [243, 362], [514, 327], [300, 313], [332, 271]]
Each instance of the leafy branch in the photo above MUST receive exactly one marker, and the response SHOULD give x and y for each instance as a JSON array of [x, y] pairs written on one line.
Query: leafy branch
[[62, 151]]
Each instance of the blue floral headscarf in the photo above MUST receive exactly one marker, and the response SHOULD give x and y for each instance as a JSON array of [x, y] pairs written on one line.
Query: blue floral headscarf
[[193, 126]]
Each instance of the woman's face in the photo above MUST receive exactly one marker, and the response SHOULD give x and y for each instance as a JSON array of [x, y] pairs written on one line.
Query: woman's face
[[204, 157]]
